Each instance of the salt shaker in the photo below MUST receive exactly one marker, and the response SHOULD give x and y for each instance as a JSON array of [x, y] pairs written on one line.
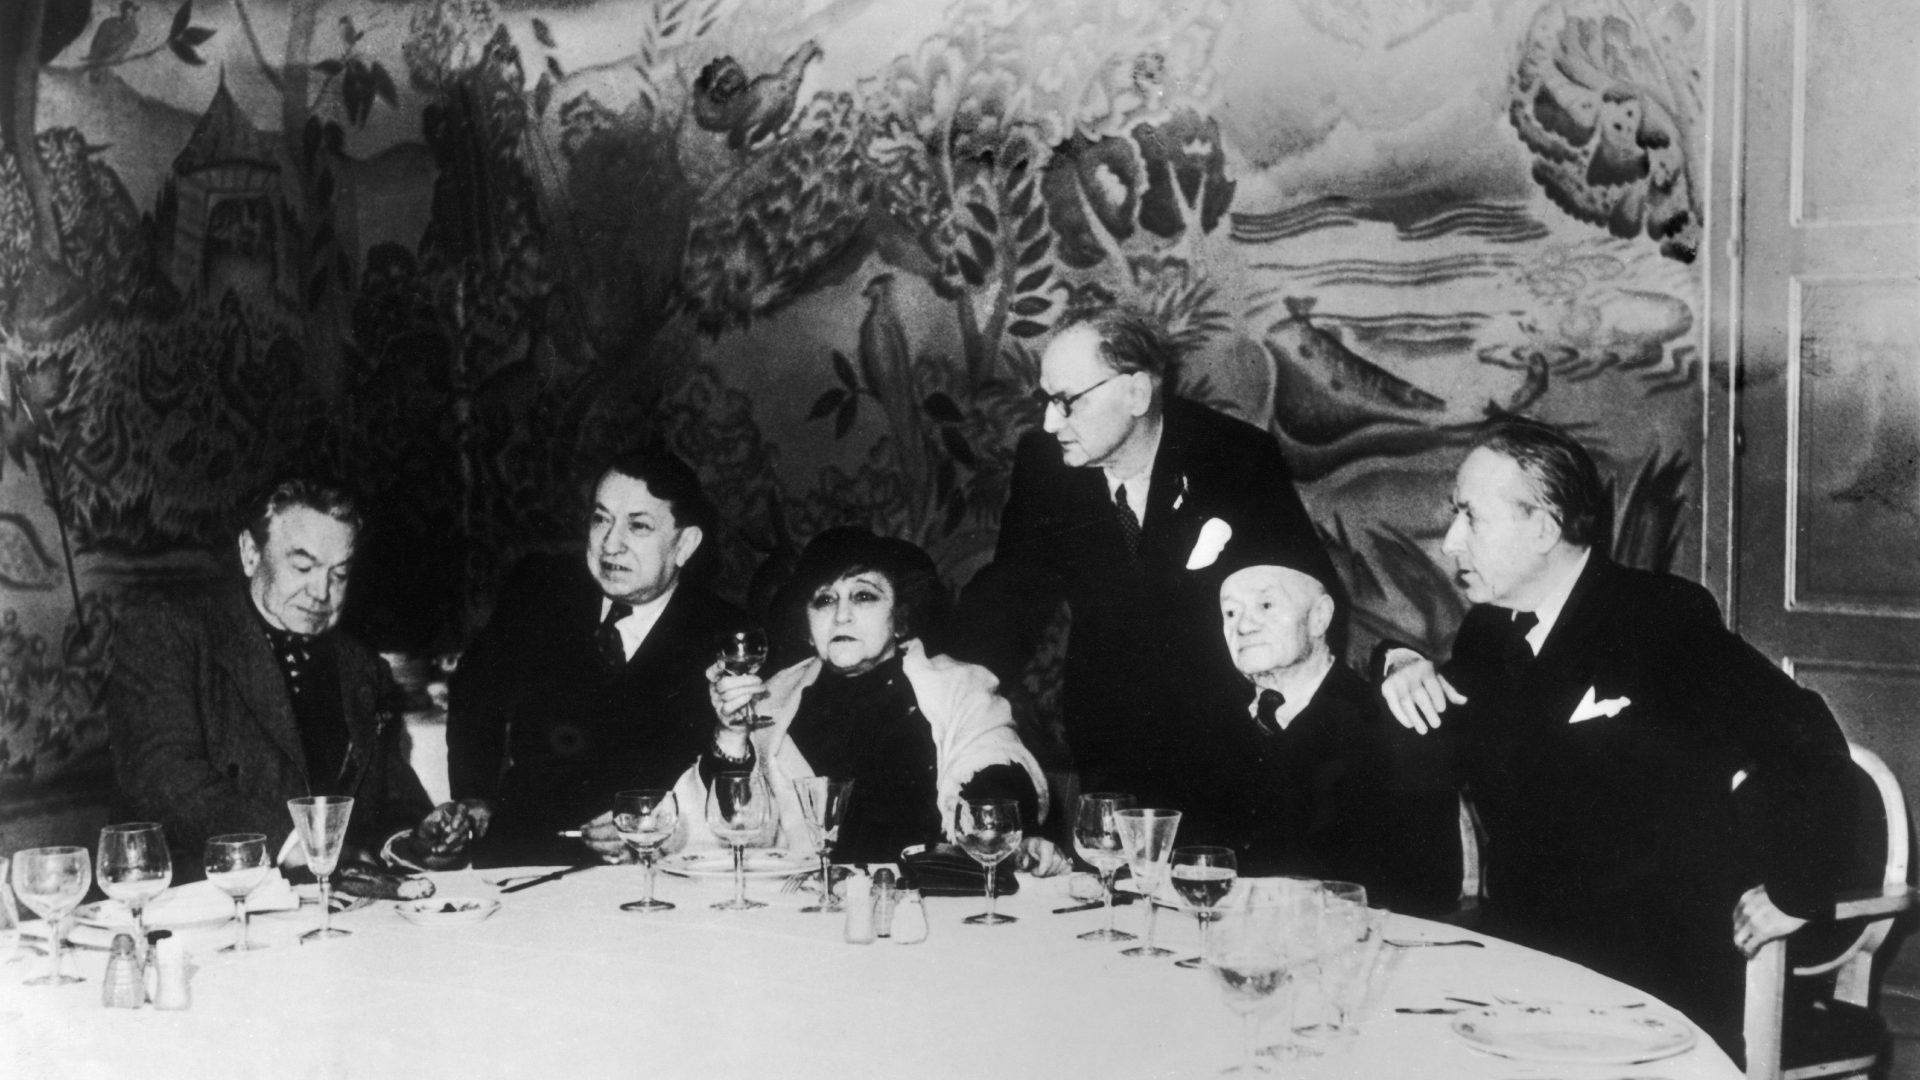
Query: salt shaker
[[859, 905], [172, 992], [909, 918], [125, 987], [883, 901]]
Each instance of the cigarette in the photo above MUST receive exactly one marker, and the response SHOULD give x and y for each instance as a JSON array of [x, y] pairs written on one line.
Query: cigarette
[[570, 834]]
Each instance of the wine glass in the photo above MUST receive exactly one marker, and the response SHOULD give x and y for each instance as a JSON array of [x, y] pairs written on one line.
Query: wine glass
[[646, 818], [52, 881], [9, 919], [321, 821], [1345, 943], [823, 803], [988, 830], [1248, 953], [1097, 840], [742, 652], [133, 866], [738, 808], [1202, 875], [236, 864], [1146, 839]]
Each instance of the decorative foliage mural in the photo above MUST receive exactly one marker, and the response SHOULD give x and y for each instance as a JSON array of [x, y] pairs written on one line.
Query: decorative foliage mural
[[459, 249]]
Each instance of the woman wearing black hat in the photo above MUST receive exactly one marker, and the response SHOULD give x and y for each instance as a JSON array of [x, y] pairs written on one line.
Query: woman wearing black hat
[[916, 733]]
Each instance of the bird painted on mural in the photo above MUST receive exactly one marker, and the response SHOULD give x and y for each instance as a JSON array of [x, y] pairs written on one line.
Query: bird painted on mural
[[111, 40], [350, 35], [749, 111]]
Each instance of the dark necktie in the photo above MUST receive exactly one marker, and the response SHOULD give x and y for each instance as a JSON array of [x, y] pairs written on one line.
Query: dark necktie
[[1129, 523], [1268, 711], [295, 653], [613, 652], [1515, 649]]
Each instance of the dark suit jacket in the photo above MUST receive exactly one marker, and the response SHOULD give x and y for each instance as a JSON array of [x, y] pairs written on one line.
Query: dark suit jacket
[[1617, 841], [535, 725], [204, 738], [1145, 641], [1342, 793]]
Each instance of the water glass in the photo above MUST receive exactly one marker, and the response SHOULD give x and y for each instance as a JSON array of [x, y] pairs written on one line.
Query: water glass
[[1249, 954], [823, 803], [321, 821], [133, 867], [1097, 838], [1203, 875], [646, 819], [1146, 839], [237, 864], [51, 881], [989, 830], [739, 807]]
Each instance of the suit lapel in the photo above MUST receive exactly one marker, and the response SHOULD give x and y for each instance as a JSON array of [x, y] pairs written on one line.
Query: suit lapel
[[1576, 647], [250, 666], [1168, 479]]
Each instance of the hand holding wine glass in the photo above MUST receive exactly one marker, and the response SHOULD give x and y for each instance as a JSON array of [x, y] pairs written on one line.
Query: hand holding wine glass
[[743, 652], [51, 881], [645, 818], [1097, 838], [1146, 839], [321, 821], [738, 809], [823, 803], [236, 864], [989, 830], [133, 867], [1202, 875]]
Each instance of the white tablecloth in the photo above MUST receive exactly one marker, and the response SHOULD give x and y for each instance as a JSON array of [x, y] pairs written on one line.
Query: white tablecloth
[[560, 982]]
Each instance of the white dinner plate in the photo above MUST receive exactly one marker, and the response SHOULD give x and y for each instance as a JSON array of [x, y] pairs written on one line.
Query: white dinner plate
[[446, 910], [759, 864], [1575, 1034]]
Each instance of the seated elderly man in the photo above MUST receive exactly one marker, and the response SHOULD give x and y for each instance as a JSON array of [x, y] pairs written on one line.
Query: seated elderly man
[[1600, 714], [226, 703], [1306, 775]]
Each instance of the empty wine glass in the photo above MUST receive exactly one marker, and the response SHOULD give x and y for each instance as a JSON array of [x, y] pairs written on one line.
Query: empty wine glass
[[646, 818], [738, 808], [51, 881], [1202, 875], [989, 830], [321, 821], [236, 864], [1146, 839], [1097, 839], [823, 803], [1248, 953], [1330, 996], [133, 866], [742, 652]]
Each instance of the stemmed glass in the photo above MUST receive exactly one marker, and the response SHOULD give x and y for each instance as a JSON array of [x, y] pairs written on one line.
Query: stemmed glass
[[823, 803], [133, 867], [645, 818], [236, 864], [1097, 839], [742, 652], [1249, 955], [9, 919], [1146, 839], [1344, 943], [52, 881], [989, 830], [738, 808], [1202, 875], [321, 821]]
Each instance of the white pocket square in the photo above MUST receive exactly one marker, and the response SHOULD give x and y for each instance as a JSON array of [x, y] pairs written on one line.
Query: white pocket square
[[1589, 708], [1213, 537]]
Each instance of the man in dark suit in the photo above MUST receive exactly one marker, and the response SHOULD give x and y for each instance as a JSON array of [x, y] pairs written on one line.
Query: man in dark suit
[[1603, 713], [1116, 505], [1303, 773], [226, 703], [589, 679]]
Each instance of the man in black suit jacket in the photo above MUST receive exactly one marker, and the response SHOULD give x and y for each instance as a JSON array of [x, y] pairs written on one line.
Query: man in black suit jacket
[[1603, 715], [589, 679], [1120, 500], [1307, 775]]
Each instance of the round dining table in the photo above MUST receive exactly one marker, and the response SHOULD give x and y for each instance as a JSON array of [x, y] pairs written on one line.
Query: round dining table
[[559, 981]]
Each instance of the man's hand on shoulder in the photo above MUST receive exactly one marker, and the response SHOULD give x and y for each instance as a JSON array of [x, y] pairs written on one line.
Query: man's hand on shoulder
[[1415, 691]]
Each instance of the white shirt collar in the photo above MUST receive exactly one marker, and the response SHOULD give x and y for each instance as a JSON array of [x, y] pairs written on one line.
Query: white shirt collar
[[1549, 610], [1298, 688], [635, 627]]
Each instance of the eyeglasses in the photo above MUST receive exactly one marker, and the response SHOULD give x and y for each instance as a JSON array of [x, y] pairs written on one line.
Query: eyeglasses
[[1064, 402]]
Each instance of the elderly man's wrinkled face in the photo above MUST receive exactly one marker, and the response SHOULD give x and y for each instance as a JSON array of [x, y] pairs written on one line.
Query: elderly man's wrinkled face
[[298, 578], [851, 621], [635, 549], [1273, 618], [1106, 406], [1500, 536]]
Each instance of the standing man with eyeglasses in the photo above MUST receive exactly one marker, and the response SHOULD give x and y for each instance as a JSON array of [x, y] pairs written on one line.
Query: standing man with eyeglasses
[[1118, 504]]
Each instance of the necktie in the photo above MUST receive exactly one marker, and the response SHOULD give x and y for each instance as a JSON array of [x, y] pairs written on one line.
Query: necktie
[[295, 652], [1268, 711], [613, 652], [1516, 650], [1129, 523]]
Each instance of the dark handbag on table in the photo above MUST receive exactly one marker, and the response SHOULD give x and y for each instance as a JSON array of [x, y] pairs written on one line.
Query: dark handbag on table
[[945, 870]]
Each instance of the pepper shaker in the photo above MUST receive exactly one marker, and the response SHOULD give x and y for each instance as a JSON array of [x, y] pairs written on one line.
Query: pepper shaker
[[883, 902], [125, 987]]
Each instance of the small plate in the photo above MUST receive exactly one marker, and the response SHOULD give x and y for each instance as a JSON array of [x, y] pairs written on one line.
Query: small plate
[[1575, 1035], [770, 863], [446, 910]]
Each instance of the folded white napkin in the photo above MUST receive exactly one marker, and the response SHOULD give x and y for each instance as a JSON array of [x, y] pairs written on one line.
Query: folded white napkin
[[192, 905]]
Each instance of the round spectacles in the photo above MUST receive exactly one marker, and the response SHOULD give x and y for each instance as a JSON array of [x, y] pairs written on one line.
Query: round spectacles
[[1064, 402]]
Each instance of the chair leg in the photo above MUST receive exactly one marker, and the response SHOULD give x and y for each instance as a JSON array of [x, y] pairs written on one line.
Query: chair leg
[[1766, 983]]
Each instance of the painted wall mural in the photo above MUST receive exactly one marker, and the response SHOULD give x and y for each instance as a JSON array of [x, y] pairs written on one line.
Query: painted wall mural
[[458, 249]]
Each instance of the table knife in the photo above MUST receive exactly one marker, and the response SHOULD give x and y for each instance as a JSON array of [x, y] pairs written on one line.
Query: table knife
[[544, 878], [1119, 900]]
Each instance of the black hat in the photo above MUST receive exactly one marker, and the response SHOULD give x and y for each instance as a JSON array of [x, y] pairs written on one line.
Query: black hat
[[919, 596], [1302, 554]]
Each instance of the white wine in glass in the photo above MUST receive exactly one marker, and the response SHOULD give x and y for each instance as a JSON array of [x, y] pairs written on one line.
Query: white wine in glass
[[133, 866], [646, 818], [51, 881], [1097, 839], [989, 830], [743, 652], [1203, 875], [321, 822], [237, 863]]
